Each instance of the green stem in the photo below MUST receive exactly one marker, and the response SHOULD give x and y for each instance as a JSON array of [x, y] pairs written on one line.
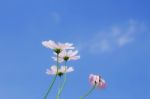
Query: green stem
[[52, 83], [57, 64], [90, 91], [50, 87], [63, 85]]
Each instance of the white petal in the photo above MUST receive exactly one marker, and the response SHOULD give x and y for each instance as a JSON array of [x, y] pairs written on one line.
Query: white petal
[[74, 53], [54, 58], [70, 69], [103, 80], [69, 53], [54, 68], [49, 44], [48, 72], [69, 46], [62, 69], [91, 76], [65, 46], [60, 60], [97, 79], [74, 58], [63, 53]]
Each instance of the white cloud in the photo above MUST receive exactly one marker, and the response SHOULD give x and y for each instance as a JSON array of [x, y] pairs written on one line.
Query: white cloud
[[123, 40], [55, 17], [115, 37], [102, 45]]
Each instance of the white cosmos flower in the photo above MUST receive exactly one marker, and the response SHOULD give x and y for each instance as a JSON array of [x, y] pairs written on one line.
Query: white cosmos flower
[[57, 46], [67, 55], [63, 69]]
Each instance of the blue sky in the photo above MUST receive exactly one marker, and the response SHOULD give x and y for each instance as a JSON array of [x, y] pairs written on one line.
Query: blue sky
[[112, 37]]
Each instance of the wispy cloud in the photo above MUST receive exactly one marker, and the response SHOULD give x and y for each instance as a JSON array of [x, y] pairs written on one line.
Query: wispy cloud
[[115, 37], [55, 17]]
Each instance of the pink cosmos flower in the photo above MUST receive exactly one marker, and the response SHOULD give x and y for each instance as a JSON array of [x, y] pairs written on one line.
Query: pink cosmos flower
[[96, 80]]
